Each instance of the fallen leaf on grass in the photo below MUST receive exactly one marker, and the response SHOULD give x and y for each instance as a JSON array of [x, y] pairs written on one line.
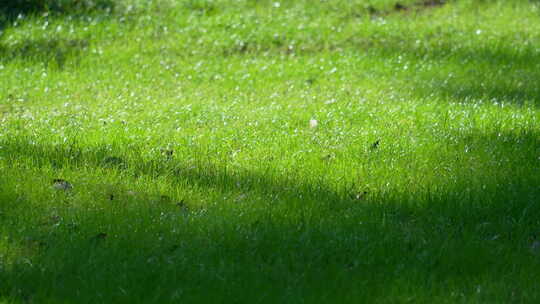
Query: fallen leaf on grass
[[399, 7], [359, 195], [432, 3], [182, 206], [327, 157], [60, 184], [372, 10], [98, 237], [375, 145], [167, 152], [173, 248]]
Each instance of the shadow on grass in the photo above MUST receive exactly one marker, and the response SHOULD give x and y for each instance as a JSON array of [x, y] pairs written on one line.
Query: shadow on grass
[[14, 8], [56, 52], [295, 241], [457, 71], [501, 75], [452, 70]]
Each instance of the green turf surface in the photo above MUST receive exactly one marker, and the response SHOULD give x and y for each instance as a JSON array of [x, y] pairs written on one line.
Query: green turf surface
[[271, 152]]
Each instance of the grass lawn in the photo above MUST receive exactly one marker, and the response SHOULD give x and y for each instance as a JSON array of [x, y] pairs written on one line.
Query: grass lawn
[[242, 151]]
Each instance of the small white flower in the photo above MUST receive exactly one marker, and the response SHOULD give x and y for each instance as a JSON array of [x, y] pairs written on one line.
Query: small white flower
[[313, 123]]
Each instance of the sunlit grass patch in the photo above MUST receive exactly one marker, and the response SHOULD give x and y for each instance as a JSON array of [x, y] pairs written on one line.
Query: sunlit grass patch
[[271, 151]]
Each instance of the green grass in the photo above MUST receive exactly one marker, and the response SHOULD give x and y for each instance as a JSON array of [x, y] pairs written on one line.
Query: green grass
[[184, 129]]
